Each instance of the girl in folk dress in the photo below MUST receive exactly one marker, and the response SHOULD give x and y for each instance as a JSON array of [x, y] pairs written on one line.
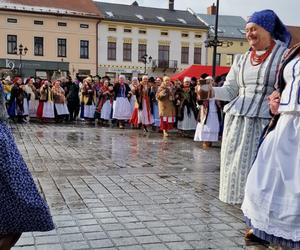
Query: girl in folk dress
[[46, 105], [154, 103], [272, 203], [186, 103], [121, 106], [250, 80], [142, 106], [60, 106], [104, 106], [165, 97], [22, 208], [32, 95], [133, 86], [88, 99], [18, 103], [208, 126]]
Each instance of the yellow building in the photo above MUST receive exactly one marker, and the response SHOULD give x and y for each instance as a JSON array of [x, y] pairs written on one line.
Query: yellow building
[[59, 36], [231, 33]]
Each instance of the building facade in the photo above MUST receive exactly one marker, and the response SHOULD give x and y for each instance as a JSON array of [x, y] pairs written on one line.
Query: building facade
[[135, 40], [231, 34], [60, 38]]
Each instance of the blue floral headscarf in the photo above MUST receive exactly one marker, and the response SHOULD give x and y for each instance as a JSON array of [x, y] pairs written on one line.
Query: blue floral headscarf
[[271, 23]]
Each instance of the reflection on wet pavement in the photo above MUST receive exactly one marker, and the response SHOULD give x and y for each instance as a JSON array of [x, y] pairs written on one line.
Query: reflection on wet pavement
[[121, 189]]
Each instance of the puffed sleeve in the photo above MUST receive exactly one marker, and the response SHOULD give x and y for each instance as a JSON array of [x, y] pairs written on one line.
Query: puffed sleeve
[[230, 88]]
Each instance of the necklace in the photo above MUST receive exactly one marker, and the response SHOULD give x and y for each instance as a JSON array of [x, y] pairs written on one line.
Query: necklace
[[258, 59]]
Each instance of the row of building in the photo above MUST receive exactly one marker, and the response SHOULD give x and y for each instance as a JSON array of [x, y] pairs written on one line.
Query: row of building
[[89, 37]]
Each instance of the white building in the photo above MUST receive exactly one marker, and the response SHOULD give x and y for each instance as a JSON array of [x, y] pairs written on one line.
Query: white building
[[171, 39]]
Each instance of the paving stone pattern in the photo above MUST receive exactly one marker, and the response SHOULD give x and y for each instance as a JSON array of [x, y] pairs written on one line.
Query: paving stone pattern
[[120, 189]]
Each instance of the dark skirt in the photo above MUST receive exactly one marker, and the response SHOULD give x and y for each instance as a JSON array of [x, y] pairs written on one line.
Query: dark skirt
[[22, 209], [272, 238]]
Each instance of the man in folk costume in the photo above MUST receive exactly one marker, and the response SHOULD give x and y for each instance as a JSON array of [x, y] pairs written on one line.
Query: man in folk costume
[[72, 96], [249, 82]]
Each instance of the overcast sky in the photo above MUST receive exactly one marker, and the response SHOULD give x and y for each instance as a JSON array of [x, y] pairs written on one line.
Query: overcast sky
[[287, 10]]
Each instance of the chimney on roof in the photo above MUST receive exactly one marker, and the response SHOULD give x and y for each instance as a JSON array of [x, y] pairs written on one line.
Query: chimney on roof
[[135, 3], [212, 10], [171, 4]]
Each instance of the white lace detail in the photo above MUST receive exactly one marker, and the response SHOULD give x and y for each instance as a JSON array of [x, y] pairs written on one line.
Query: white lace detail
[[273, 227]]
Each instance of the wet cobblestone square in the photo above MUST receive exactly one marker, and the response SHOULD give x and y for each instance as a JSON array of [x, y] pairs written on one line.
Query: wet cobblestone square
[[121, 189]]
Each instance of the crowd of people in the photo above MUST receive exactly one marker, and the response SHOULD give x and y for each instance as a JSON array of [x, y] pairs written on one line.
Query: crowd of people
[[148, 103], [260, 146]]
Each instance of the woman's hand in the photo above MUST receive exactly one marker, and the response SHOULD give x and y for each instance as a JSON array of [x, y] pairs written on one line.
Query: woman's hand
[[274, 102]]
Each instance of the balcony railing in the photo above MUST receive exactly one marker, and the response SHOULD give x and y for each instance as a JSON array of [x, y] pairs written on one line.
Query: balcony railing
[[164, 64]]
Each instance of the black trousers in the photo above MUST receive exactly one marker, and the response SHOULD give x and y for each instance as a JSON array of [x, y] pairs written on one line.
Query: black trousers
[[73, 110]]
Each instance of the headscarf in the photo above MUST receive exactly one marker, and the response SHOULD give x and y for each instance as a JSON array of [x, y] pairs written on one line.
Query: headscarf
[[271, 23]]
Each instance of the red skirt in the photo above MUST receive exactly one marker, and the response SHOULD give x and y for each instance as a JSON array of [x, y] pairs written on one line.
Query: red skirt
[[134, 118], [39, 112], [166, 123]]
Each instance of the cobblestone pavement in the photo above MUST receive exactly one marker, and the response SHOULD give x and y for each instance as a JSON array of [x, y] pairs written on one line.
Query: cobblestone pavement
[[119, 189]]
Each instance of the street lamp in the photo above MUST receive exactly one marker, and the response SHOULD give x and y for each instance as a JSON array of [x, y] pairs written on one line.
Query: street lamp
[[214, 42], [20, 51], [146, 59]]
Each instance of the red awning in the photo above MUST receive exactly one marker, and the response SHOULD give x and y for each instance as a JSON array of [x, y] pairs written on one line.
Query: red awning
[[197, 70]]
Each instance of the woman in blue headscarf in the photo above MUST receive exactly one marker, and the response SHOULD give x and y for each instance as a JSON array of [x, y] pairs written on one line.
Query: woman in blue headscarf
[[250, 81], [272, 194], [22, 209]]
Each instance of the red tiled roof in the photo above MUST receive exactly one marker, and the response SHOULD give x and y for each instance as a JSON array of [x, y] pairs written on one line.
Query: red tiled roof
[[80, 6], [295, 32]]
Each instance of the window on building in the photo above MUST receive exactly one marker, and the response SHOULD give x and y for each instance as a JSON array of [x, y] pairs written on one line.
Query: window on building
[[111, 75], [126, 51], [164, 33], [185, 55], [38, 22], [84, 49], [142, 51], [218, 59], [12, 20], [184, 34], [163, 55], [11, 44], [111, 51], [84, 26], [127, 30], [61, 47], [62, 24], [84, 72], [241, 44], [112, 29], [229, 59], [142, 32], [198, 35], [38, 46], [197, 55]]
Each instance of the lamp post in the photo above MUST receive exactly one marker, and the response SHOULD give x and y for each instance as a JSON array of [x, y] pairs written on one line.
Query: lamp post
[[21, 51], [146, 59], [214, 42]]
